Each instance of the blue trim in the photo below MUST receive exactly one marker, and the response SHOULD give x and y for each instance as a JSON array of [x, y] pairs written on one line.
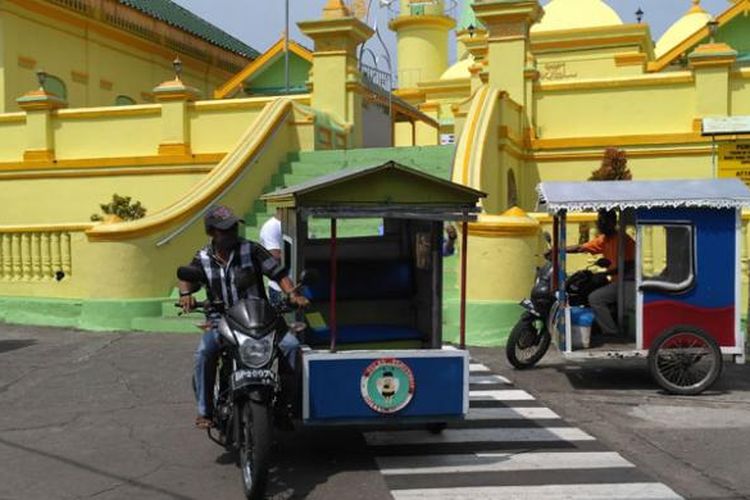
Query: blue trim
[[715, 247], [335, 393]]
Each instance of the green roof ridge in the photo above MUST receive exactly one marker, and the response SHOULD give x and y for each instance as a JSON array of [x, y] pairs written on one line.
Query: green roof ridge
[[182, 18]]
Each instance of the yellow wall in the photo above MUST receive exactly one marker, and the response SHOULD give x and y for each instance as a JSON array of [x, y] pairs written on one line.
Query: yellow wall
[[137, 253], [740, 96], [654, 168], [585, 64], [102, 151], [88, 135], [578, 111], [12, 137], [74, 200], [403, 134], [61, 49], [122, 132], [216, 125], [422, 54]]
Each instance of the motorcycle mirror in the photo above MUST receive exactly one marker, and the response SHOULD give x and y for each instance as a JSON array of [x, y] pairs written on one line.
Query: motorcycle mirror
[[190, 274], [245, 279], [605, 263]]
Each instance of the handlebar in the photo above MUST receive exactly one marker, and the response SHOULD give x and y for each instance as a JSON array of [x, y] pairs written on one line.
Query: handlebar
[[282, 307]]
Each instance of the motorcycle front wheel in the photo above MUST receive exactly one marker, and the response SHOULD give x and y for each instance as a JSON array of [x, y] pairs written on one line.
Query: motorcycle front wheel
[[528, 343], [255, 448]]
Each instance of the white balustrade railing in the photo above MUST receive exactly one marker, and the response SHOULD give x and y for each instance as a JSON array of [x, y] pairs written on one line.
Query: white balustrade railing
[[28, 256]]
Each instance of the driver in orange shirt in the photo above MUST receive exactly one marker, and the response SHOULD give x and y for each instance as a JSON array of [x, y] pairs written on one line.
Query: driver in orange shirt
[[607, 244]]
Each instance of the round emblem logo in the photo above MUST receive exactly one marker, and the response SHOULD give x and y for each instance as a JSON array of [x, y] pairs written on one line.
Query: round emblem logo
[[387, 385]]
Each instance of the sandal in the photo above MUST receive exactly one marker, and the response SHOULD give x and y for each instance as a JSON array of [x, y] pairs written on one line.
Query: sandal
[[203, 422]]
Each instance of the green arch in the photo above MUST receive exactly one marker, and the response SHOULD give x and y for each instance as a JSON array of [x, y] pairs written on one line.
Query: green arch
[[56, 85], [124, 100]]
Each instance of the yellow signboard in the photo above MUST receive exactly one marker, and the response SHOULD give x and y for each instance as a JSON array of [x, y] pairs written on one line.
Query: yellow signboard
[[734, 161]]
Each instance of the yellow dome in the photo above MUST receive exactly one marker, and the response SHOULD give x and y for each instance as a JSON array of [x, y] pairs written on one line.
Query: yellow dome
[[572, 14], [458, 70], [694, 20]]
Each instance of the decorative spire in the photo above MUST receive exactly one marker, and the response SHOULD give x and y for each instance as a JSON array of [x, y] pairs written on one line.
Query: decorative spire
[[335, 9], [696, 8]]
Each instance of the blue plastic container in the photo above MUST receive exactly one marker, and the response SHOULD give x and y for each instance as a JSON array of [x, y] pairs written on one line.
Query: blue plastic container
[[582, 316]]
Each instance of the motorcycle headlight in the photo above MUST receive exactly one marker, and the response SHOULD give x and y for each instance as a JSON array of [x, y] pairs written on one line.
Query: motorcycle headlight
[[256, 353]]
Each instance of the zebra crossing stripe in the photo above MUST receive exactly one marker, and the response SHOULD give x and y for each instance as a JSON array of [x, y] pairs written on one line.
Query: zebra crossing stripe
[[641, 491], [483, 435], [478, 368], [477, 461], [499, 462], [500, 395], [531, 413], [488, 380]]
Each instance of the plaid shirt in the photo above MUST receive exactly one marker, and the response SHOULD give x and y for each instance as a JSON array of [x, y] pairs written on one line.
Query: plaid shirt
[[247, 255]]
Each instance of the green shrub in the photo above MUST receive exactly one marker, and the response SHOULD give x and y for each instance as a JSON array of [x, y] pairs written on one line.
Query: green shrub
[[121, 207]]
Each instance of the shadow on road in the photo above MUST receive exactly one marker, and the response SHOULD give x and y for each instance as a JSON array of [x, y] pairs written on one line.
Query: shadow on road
[[306, 458], [12, 345]]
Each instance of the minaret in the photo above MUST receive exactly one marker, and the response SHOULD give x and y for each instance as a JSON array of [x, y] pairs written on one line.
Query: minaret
[[422, 29]]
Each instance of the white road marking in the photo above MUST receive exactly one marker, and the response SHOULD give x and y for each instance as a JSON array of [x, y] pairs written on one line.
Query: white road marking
[[488, 379], [499, 462], [500, 395], [488, 435], [641, 491], [510, 413], [478, 368]]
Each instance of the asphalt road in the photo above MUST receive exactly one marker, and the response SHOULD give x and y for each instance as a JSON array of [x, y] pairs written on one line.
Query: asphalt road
[[110, 416]]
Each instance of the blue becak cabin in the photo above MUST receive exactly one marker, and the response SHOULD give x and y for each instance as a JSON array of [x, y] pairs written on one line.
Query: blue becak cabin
[[687, 284], [374, 237]]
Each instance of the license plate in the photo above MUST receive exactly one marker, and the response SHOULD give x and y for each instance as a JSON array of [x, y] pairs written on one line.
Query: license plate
[[259, 376]]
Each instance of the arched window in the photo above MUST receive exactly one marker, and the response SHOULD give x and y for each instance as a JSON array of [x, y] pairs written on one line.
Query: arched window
[[123, 100], [512, 189], [55, 85]]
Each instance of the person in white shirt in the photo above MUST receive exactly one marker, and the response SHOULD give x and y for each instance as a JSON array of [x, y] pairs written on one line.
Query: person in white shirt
[[270, 238]]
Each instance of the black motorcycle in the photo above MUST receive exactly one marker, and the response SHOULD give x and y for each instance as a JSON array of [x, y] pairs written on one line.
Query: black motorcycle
[[253, 380], [530, 337]]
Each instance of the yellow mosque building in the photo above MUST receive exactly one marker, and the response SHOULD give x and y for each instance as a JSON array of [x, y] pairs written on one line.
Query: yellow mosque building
[[94, 103]]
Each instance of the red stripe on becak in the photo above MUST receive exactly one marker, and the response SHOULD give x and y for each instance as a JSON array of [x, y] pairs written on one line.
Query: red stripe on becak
[[665, 314]]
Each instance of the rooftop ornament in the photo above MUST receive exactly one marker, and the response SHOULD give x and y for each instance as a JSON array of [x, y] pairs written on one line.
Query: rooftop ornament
[[177, 65], [471, 29], [713, 27], [41, 77], [639, 15]]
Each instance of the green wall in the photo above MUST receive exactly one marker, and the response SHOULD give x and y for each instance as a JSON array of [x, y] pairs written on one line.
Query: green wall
[[271, 79]]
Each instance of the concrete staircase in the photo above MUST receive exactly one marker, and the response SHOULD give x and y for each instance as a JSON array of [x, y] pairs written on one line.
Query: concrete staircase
[[301, 167]]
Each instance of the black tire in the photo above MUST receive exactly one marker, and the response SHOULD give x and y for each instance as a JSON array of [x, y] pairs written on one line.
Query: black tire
[[436, 428], [528, 343], [255, 448], [553, 320], [685, 360]]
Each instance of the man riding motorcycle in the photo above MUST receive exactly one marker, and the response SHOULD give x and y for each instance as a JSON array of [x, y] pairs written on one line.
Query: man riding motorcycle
[[607, 243], [226, 255]]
